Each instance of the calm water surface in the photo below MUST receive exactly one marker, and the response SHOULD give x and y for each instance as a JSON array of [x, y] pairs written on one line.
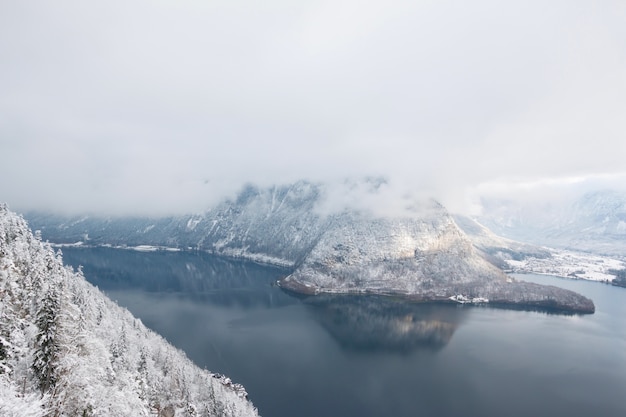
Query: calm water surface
[[368, 356]]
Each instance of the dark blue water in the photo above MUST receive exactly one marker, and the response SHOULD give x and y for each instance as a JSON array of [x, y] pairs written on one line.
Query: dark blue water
[[360, 357]]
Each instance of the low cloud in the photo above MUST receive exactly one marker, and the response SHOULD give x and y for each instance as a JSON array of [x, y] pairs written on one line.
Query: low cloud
[[151, 107]]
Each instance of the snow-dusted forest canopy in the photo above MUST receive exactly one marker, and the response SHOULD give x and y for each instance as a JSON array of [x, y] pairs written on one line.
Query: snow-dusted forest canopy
[[67, 350]]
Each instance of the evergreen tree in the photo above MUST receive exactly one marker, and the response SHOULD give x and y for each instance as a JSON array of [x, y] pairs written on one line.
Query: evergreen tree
[[46, 342], [66, 350], [4, 355]]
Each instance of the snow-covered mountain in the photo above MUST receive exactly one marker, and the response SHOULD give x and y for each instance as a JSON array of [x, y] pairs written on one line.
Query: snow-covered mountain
[[418, 252], [67, 350], [498, 250], [421, 258], [514, 256], [594, 222], [277, 225]]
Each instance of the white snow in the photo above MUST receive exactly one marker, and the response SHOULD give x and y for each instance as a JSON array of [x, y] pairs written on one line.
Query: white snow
[[68, 245], [242, 253], [145, 248], [105, 363], [193, 222], [463, 299], [570, 264]]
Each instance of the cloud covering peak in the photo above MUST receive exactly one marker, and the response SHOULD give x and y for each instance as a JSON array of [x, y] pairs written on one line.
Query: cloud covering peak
[[155, 107]]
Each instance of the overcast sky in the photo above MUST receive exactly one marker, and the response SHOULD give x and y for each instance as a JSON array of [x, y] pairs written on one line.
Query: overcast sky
[[166, 106]]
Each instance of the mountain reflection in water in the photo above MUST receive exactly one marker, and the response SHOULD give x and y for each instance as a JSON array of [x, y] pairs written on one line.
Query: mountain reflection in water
[[197, 276], [356, 322], [381, 323], [371, 356]]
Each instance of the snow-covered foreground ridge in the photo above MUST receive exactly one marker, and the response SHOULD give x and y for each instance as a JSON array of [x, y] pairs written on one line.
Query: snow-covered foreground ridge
[[416, 252], [67, 350]]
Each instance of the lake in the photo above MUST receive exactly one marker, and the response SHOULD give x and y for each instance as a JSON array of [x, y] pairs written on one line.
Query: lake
[[369, 356]]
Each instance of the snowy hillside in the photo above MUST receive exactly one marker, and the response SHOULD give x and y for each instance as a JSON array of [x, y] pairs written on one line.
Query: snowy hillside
[[594, 222], [421, 258], [496, 249], [568, 264], [518, 257], [277, 225], [416, 251], [366, 253], [67, 350]]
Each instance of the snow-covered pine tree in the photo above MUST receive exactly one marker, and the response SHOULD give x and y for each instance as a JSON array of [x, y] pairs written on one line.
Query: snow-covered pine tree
[[47, 346], [56, 352], [5, 345]]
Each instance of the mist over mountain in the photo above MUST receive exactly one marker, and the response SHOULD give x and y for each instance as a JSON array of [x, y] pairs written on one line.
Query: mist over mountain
[[144, 108], [496, 248], [228, 128], [593, 222], [419, 252]]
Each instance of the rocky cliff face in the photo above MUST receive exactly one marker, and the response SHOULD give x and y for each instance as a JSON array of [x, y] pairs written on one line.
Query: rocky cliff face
[[418, 253]]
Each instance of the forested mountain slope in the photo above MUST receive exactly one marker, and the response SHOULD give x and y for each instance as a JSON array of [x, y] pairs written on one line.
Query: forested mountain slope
[[67, 350]]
